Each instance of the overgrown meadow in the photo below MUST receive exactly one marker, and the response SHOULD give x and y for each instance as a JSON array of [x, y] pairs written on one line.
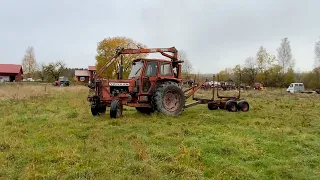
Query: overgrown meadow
[[49, 132]]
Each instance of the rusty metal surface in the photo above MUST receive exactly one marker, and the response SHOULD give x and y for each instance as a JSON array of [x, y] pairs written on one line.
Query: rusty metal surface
[[196, 88]]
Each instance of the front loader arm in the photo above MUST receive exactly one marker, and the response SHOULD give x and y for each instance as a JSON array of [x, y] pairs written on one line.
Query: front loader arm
[[120, 51], [104, 67], [152, 50]]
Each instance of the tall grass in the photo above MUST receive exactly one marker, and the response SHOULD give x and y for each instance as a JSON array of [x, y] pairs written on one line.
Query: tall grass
[[19, 91], [52, 135]]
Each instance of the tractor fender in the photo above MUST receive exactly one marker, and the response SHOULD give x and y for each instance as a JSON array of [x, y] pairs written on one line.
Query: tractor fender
[[162, 80]]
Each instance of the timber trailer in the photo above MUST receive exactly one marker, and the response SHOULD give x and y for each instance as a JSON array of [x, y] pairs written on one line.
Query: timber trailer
[[153, 85]]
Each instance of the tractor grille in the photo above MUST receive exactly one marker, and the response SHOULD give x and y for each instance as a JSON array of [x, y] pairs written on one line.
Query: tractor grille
[[114, 90]]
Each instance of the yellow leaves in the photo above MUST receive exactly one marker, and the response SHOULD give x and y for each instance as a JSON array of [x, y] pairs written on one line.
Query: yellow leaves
[[106, 50]]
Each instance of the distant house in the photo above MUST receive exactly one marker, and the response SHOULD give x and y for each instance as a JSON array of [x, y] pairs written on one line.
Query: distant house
[[92, 70], [10, 72], [82, 75], [85, 75]]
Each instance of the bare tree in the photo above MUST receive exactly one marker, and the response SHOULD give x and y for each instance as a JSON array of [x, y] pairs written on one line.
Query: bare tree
[[29, 61], [317, 53], [186, 66], [261, 60], [251, 69], [285, 59]]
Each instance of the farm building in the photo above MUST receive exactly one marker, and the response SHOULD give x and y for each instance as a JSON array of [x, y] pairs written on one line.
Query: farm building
[[10, 72], [92, 70], [84, 75]]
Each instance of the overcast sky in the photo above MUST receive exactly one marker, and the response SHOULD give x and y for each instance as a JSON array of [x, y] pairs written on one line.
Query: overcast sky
[[215, 34]]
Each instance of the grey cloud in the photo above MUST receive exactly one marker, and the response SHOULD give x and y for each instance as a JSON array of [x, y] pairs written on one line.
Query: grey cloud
[[215, 34]]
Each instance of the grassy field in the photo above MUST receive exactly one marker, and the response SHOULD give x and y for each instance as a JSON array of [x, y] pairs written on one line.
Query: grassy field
[[49, 132]]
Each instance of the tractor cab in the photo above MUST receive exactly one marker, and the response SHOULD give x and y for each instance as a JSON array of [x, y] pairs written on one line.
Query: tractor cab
[[151, 68], [142, 79]]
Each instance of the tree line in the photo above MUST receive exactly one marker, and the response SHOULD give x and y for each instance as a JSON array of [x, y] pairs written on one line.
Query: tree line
[[271, 70], [47, 72], [274, 71]]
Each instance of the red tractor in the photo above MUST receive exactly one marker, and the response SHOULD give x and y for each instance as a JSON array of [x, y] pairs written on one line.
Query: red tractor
[[152, 85]]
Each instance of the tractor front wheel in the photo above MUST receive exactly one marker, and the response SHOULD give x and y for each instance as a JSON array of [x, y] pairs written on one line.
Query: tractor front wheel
[[98, 109], [94, 111], [116, 109], [169, 99]]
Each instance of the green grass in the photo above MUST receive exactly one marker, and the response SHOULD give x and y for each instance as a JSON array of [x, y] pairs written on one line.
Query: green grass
[[53, 135]]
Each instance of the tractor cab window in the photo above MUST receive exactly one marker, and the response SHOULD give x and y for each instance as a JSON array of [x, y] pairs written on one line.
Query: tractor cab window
[[151, 70], [136, 69], [166, 69]]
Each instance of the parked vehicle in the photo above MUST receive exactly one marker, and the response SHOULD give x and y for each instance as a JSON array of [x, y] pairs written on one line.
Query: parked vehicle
[[258, 86], [296, 87], [63, 81]]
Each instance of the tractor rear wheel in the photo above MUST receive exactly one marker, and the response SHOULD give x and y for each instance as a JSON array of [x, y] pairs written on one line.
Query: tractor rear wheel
[[243, 106], [169, 99], [212, 106], [116, 109], [144, 110], [231, 106]]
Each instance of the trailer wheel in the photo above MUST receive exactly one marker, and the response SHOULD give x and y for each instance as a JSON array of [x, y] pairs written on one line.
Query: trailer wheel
[[169, 99], [144, 110], [116, 109], [212, 106], [243, 106], [231, 106]]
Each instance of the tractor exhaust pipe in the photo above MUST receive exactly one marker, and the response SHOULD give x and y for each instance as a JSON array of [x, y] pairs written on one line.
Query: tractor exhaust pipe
[[120, 75], [120, 72]]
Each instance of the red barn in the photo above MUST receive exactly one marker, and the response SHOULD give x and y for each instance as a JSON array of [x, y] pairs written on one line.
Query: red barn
[[10, 72], [82, 75]]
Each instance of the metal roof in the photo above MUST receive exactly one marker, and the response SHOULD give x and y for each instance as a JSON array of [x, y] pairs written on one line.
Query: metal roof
[[81, 73], [10, 68], [91, 68]]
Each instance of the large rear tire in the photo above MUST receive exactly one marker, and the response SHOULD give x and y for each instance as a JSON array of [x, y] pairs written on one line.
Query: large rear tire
[[169, 99], [116, 109]]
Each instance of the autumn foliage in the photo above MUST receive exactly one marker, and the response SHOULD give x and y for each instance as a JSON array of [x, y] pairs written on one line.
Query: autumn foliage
[[106, 50]]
